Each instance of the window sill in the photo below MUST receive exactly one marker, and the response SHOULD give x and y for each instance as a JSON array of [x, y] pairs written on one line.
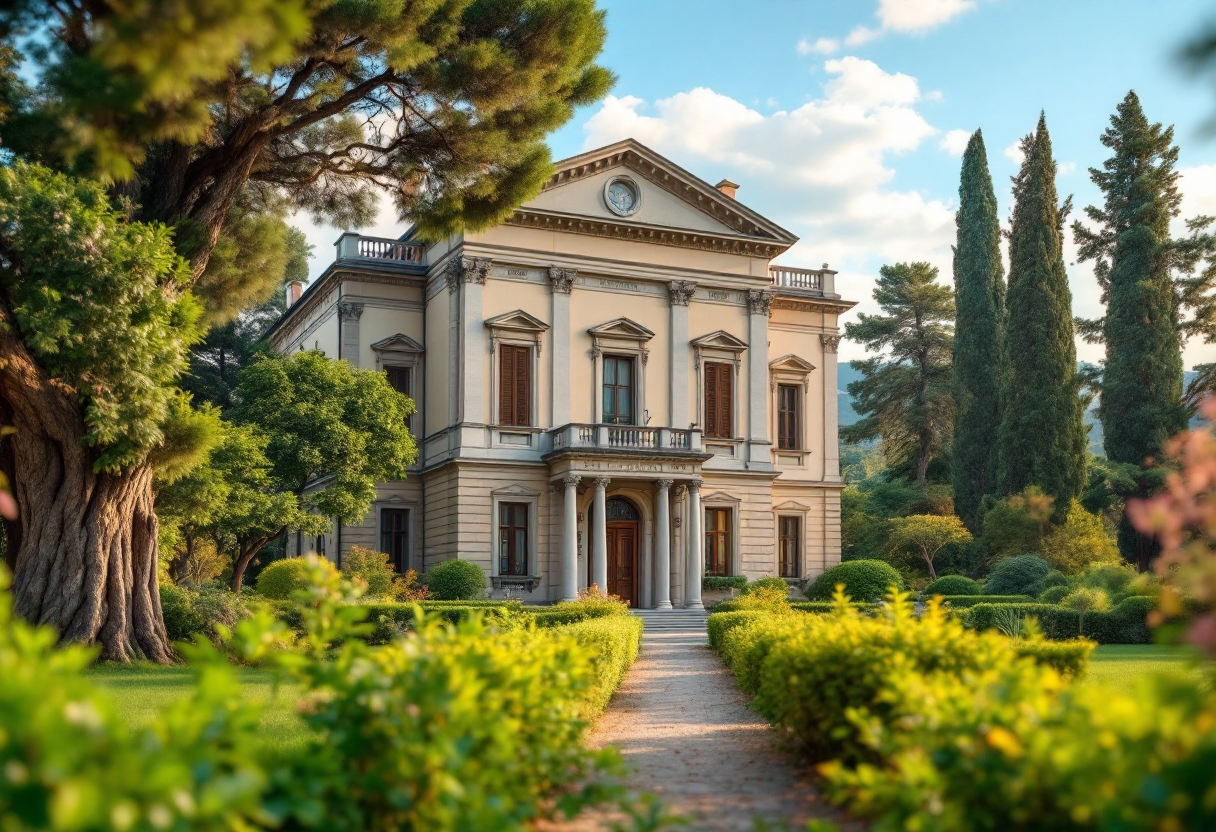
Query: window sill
[[525, 582]]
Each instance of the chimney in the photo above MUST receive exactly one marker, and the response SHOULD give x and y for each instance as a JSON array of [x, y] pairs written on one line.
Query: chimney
[[727, 187], [294, 289]]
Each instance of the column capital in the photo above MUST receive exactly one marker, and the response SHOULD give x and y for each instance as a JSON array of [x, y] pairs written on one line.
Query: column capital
[[759, 301], [571, 480], [681, 291], [348, 311], [601, 483], [561, 281], [467, 270], [829, 342], [679, 491], [664, 485], [695, 485]]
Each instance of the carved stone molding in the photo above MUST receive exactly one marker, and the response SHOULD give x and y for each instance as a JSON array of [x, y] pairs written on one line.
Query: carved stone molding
[[831, 307], [601, 483], [467, 270], [681, 291], [561, 281], [829, 342], [695, 485], [350, 311], [759, 301], [679, 491], [664, 485], [571, 479]]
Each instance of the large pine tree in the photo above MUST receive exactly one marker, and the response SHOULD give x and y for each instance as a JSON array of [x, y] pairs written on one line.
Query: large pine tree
[[1134, 260], [1042, 434], [979, 291]]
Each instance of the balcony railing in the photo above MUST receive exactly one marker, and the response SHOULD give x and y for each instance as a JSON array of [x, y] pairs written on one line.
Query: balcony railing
[[625, 438], [357, 247], [790, 278]]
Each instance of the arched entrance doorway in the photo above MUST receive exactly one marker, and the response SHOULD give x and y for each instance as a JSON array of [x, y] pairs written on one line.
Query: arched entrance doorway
[[624, 536]]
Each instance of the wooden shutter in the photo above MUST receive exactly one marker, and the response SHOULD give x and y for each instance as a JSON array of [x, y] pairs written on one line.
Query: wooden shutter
[[719, 400], [711, 399], [514, 385]]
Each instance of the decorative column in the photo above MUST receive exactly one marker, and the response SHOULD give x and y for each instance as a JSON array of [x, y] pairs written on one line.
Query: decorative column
[[759, 301], [570, 539], [348, 345], [696, 549], [599, 536], [681, 292], [469, 275], [831, 430], [561, 281], [662, 538]]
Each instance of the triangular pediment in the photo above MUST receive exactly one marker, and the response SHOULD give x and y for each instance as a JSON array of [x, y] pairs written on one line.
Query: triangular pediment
[[668, 197], [720, 340], [517, 321], [516, 490], [791, 505], [621, 328], [398, 343], [792, 364]]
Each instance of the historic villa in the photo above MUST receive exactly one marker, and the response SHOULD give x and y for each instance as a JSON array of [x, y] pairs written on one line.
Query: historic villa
[[617, 386]]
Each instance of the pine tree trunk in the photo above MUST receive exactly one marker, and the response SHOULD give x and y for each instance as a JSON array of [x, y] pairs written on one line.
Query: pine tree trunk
[[85, 561]]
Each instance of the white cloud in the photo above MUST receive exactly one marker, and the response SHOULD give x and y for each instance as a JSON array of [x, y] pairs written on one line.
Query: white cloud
[[822, 170], [1065, 168], [955, 142], [919, 16], [862, 35], [1014, 152], [822, 46]]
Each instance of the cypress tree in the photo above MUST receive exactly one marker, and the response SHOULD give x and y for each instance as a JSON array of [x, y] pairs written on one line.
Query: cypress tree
[[1134, 256], [979, 290], [1042, 433]]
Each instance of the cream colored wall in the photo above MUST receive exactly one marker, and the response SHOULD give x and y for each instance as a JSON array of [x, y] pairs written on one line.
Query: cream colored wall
[[820, 510], [500, 296], [438, 376], [585, 197], [751, 497], [805, 344], [590, 307]]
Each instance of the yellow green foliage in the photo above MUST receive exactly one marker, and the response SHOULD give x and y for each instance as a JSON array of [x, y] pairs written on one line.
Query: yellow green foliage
[[1080, 541]]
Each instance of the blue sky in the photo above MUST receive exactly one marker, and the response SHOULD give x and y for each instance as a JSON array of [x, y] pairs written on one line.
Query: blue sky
[[844, 121]]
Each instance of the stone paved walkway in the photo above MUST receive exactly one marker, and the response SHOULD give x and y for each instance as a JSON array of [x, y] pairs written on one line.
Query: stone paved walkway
[[686, 733]]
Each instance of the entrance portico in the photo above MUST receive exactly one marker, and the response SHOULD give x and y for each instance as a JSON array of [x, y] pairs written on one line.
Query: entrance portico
[[639, 513]]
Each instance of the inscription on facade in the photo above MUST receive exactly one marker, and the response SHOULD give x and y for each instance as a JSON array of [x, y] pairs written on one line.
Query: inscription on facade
[[719, 295], [634, 466], [517, 272], [620, 284]]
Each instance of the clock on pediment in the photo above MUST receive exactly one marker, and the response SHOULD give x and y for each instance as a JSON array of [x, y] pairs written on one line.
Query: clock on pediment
[[622, 196]]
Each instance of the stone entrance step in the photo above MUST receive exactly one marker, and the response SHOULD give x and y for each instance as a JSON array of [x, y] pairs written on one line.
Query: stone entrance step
[[691, 622]]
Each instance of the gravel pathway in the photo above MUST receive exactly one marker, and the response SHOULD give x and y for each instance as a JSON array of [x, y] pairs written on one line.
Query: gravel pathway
[[686, 734]]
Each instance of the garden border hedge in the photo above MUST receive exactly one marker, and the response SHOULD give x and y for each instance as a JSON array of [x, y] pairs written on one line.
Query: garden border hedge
[[1124, 624]]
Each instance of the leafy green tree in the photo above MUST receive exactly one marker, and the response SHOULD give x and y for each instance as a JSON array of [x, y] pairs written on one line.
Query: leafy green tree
[[926, 535], [1148, 285], [1042, 435], [202, 119], [979, 291], [905, 391], [332, 432]]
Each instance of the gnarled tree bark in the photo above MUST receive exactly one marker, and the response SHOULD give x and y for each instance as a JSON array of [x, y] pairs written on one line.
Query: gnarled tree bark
[[86, 552]]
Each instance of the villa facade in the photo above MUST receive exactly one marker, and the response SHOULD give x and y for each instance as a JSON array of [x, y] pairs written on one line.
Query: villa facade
[[616, 386]]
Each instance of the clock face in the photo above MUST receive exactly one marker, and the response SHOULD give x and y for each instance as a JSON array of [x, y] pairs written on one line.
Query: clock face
[[622, 197]]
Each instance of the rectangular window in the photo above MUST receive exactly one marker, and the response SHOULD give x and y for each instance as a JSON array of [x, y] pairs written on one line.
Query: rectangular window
[[512, 538], [401, 379], [787, 417], [319, 548], [618, 390], [718, 541], [719, 400], [514, 385], [789, 546], [395, 537]]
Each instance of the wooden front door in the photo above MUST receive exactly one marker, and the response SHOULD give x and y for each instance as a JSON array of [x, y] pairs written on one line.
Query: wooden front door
[[623, 560]]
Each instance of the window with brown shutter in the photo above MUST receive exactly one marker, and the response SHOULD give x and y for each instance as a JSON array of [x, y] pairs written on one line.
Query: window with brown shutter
[[787, 417], [718, 541], [789, 534], [719, 400], [514, 385]]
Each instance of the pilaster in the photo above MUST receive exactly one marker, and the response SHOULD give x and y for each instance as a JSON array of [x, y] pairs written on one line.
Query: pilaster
[[681, 292], [831, 428], [759, 456], [561, 283], [348, 317]]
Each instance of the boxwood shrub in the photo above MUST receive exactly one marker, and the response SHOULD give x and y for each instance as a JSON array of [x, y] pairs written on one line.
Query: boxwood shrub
[[456, 580], [1124, 624], [719, 583], [613, 642], [864, 580], [1019, 575], [721, 623], [952, 585], [280, 579]]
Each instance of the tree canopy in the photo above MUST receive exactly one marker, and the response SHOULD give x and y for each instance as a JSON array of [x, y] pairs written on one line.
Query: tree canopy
[[905, 394], [926, 535]]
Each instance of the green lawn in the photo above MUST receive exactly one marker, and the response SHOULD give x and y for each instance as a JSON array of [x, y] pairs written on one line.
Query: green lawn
[[1118, 666], [142, 691]]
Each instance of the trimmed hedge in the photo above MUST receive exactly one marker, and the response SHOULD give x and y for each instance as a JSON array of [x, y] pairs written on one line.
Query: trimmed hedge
[[280, 579], [1125, 624], [720, 623], [957, 601], [952, 585], [864, 580], [1070, 658], [824, 607], [719, 583], [456, 580], [614, 642], [1019, 575], [389, 619]]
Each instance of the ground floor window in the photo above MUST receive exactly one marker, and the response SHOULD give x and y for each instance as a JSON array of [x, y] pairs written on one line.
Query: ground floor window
[[395, 538], [512, 538], [789, 546], [320, 547], [718, 541]]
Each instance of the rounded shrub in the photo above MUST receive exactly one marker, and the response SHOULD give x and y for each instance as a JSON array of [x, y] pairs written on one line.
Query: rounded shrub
[[1019, 575], [1053, 594], [1056, 578], [1112, 577], [864, 580], [456, 580], [182, 620], [280, 578], [769, 583], [953, 585]]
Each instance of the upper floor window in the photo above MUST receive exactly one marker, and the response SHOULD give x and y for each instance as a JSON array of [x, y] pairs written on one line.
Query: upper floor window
[[719, 400], [512, 538], [514, 385], [718, 541], [789, 546], [401, 379], [618, 391], [788, 417]]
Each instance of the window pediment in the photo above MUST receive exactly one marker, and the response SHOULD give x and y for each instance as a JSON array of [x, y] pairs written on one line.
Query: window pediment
[[400, 343], [790, 505], [792, 365], [622, 329], [515, 491], [720, 340], [517, 321]]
